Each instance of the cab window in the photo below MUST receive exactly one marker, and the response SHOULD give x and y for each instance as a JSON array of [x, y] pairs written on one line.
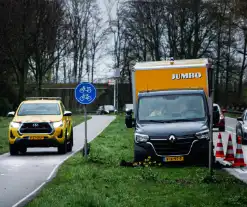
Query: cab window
[[63, 108]]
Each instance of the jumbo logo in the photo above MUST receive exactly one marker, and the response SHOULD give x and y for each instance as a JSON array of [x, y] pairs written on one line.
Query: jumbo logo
[[179, 76]]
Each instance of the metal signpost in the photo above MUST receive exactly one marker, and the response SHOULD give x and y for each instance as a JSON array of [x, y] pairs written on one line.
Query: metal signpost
[[85, 93]]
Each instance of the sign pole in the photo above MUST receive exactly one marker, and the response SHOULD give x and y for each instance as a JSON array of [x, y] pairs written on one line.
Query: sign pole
[[85, 121], [85, 94], [211, 153]]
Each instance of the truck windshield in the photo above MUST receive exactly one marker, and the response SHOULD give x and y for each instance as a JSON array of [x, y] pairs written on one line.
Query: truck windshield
[[171, 108], [39, 109]]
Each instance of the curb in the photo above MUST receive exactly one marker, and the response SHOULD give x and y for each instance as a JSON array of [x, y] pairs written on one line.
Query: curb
[[24, 201], [52, 175]]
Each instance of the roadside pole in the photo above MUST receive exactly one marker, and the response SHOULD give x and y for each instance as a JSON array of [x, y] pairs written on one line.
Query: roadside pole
[[116, 76], [85, 121], [115, 93], [211, 154], [85, 94]]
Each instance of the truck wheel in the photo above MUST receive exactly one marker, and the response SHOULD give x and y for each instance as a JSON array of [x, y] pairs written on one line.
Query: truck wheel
[[205, 160], [23, 150], [62, 149], [13, 150], [139, 157], [71, 142]]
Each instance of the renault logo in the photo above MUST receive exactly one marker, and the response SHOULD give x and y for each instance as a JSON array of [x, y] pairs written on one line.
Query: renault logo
[[172, 139], [35, 125]]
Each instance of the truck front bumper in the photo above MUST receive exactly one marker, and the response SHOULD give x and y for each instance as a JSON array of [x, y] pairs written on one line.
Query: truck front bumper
[[46, 142], [199, 148]]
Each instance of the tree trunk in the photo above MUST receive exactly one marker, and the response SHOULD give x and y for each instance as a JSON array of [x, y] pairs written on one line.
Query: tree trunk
[[21, 86], [240, 84], [40, 85], [197, 28]]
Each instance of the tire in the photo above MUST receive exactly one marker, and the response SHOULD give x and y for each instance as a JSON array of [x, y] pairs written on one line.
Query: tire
[[222, 129], [139, 157], [72, 137], [23, 150], [62, 149], [13, 150], [71, 142]]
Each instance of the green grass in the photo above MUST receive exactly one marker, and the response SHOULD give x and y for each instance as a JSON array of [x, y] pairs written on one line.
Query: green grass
[[100, 181], [232, 115], [4, 124]]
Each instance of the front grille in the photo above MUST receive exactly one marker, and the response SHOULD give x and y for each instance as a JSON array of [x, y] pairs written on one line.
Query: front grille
[[36, 128], [165, 147]]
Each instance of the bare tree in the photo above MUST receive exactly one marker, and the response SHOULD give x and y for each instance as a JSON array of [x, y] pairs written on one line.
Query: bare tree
[[98, 36], [46, 39]]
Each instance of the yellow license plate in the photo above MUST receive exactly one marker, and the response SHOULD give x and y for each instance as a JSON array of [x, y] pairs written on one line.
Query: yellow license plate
[[174, 159], [36, 138]]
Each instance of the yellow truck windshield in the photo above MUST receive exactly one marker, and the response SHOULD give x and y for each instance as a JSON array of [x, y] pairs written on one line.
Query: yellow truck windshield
[[39, 109], [171, 108]]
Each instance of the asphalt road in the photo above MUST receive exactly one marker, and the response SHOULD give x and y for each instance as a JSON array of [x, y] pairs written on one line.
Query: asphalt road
[[21, 175], [240, 173], [230, 129]]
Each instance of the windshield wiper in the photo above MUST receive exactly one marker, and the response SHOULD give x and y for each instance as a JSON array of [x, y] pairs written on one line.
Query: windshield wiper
[[157, 121], [186, 120]]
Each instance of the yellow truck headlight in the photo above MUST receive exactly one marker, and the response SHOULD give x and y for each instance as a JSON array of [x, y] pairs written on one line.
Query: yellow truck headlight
[[15, 124], [57, 124]]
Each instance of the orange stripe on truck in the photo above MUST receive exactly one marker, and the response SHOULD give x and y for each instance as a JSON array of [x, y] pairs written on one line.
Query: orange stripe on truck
[[171, 78]]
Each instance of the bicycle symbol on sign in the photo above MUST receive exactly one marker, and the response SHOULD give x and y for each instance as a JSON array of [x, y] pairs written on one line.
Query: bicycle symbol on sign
[[85, 89], [85, 97]]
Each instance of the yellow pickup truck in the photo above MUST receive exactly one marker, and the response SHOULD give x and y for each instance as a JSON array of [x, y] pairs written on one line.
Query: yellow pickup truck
[[40, 122]]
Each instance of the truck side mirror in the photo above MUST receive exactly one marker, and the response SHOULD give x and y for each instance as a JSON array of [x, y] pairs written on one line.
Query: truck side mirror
[[11, 114], [129, 112]]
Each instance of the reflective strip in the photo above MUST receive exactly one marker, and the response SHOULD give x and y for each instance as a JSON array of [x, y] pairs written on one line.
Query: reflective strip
[[230, 151]]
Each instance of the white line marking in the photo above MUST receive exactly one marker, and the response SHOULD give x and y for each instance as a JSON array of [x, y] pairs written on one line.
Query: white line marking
[[53, 172], [230, 127]]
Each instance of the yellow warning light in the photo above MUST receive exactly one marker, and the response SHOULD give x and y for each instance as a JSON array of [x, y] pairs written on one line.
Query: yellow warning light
[[171, 60]]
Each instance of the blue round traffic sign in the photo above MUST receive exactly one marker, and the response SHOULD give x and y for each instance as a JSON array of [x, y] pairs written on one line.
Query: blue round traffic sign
[[85, 93]]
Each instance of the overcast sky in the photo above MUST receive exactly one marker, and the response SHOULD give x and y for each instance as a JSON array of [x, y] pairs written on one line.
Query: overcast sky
[[102, 70]]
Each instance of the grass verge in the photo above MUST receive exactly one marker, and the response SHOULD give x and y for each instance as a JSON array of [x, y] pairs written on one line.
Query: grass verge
[[102, 182], [4, 124], [232, 115]]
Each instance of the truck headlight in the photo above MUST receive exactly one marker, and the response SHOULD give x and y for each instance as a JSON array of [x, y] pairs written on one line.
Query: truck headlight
[[15, 124], [203, 134], [141, 137], [57, 124]]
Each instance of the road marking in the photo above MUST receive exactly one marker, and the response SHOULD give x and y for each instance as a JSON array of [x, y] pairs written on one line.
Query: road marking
[[230, 127], [53, 172], [241, 171]]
